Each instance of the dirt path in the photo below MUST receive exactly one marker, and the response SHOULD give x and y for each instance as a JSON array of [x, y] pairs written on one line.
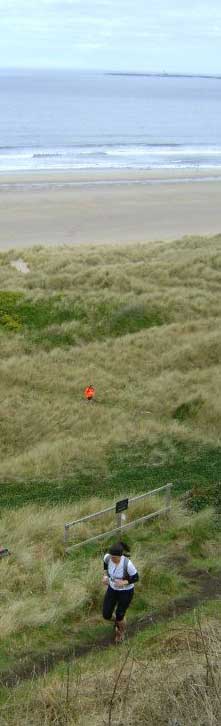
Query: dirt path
[[209, 589]]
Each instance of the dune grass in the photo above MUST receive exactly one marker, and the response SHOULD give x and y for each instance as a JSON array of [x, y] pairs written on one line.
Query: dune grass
[[49, 599], [141, 323], [168, 675]]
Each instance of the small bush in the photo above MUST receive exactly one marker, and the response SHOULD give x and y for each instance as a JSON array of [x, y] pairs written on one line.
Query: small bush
[[10, 323], [188, 409], [9, 319]]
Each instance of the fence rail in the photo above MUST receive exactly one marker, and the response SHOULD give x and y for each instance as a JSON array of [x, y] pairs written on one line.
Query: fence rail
[[120, 526]]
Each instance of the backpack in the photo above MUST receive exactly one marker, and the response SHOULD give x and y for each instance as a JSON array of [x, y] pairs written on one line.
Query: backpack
[[125, 570]]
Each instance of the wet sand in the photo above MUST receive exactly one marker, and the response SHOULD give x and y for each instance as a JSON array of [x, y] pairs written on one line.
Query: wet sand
[[107, 206]]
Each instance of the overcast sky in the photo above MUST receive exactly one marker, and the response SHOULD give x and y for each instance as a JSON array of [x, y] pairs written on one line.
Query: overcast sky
[[140, 35]]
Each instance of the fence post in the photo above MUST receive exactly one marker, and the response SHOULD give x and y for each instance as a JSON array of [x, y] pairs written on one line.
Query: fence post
[[168, 498], [119, 520], [66, 532]]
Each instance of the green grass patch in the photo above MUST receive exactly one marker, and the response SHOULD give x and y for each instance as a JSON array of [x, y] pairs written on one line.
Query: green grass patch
[[188, 409], [136, 467], [132, 318], [94, 318]]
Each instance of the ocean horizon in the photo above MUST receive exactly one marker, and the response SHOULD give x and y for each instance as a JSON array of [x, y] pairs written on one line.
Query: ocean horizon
[[70, 120]]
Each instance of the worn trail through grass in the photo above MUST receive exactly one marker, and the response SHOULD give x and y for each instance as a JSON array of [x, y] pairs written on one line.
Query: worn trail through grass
[[31, 668]]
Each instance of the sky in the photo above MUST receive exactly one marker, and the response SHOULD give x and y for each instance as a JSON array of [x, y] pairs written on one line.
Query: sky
[[118, 35]]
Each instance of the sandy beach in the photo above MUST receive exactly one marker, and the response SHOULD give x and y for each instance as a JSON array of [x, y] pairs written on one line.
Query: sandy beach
[[43, 208]]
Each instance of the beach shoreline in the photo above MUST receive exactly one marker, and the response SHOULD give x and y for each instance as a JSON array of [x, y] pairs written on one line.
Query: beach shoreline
[[108, 206], [110, 175]]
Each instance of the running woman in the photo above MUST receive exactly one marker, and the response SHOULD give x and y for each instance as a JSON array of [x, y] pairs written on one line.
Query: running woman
[[120, 576]]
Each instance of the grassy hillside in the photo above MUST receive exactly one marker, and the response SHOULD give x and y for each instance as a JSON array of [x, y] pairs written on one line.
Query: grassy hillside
[[143, 325], [48, 597], [51, 606]]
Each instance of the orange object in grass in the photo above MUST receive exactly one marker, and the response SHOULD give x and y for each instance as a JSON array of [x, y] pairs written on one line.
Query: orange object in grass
[[89, 392]]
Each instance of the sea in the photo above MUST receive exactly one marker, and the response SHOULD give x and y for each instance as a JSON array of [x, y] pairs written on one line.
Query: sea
[[70, 120]]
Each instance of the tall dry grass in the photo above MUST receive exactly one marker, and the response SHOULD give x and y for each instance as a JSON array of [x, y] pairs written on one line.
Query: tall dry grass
[[141, 377], [177, 683], [40, 585]]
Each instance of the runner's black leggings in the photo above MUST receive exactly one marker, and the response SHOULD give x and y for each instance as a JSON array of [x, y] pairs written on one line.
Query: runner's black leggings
[[121, 598]]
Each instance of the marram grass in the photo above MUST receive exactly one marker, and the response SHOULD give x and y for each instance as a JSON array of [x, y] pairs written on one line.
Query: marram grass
[[140, 323]]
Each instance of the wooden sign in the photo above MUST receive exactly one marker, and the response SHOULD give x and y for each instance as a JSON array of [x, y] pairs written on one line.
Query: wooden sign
[[121, 505]]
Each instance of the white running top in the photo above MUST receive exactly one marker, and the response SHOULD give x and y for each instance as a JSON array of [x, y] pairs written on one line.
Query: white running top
[[116, 572]]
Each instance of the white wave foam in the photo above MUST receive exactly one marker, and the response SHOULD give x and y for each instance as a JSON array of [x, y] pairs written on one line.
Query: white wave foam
[[110, 156]]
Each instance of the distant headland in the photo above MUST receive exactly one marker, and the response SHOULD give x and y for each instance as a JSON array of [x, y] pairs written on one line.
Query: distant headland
[[162, 74]]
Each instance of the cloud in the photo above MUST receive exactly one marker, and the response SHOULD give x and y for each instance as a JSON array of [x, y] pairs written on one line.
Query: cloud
[[84, 29]]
